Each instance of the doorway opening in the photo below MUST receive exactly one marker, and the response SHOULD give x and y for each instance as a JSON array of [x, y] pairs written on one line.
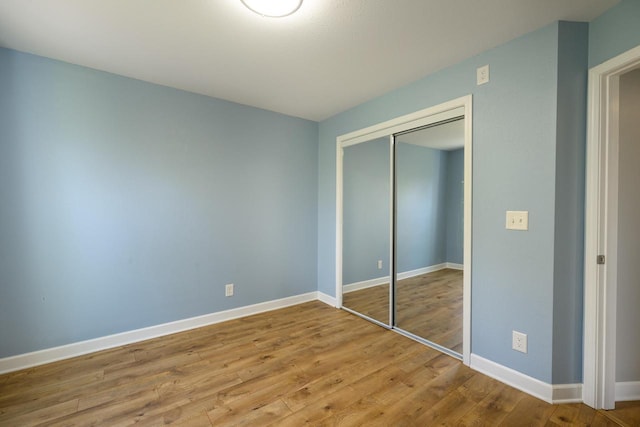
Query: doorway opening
[[608, 176]]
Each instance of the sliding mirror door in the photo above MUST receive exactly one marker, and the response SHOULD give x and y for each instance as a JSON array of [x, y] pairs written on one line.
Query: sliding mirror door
[[429, 173], [403, 225], [366, 229]]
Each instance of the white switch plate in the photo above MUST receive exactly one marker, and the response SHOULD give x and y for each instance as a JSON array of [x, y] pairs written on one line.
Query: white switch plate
[[228, 290], [482, 75], [379, 264], [517, 220], [519, 341]]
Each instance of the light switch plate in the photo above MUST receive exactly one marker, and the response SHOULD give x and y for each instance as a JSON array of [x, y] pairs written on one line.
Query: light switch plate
[[518, 220]]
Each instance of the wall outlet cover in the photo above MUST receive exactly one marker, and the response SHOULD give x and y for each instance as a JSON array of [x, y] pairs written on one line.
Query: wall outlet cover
[[519, 342], [482, 75], [228, 290]]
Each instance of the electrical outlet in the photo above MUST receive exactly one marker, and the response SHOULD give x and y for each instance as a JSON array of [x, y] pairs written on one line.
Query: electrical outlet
[[482, 75], [519, 341], [379, 264], [228, 290]]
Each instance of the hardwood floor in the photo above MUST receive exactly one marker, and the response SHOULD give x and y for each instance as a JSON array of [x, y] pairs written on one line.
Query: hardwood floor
[[372, 302], [429, 306], [308, 364]]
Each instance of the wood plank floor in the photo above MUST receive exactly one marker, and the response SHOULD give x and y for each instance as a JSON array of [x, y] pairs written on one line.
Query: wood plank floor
[[309, 364], [372, 302], [429, 306]]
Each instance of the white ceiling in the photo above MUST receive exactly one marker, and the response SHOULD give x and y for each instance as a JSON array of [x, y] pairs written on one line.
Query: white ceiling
[[329, 56], [446, 136]]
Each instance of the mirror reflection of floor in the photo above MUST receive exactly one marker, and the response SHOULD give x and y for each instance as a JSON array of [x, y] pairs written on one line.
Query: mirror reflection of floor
[[429, 305], [372, 302]]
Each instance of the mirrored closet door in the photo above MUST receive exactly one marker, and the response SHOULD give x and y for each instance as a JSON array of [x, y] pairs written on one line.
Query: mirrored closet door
[[404, 225], [429, 197], [367, 229]]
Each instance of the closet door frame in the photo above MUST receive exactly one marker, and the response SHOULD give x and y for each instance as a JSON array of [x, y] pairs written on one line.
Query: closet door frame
[[444, 111]]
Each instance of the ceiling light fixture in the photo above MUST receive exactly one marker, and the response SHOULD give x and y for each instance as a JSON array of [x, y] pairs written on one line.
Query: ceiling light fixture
[[273, 8]]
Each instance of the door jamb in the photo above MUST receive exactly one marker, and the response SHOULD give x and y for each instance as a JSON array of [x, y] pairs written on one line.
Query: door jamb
[[601, 202]]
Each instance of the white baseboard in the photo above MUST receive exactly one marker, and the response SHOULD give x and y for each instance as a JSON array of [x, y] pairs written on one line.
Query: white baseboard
[[559, 393], [626, 391], [566, 393], [40, 357], [356, 286], [327, 299], [420, 271], [509, 376], [454, 266]]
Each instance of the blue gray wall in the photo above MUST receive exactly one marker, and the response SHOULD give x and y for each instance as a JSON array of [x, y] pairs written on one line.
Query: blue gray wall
[[429, 211], [126, 204], [421, 188], [514, 157], [366, 210], [568, 268], [455, 206], [614, 32]]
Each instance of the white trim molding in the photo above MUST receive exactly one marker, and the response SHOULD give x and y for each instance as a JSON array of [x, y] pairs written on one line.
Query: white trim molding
[[327, 299], [627, 391], [599, 354], [356, 286], [558, 393], [40, 357], [421, 271], [566, 393]]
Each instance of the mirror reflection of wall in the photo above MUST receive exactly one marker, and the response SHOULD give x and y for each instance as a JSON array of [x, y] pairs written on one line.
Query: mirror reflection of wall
[[430, 233], [366, 228]]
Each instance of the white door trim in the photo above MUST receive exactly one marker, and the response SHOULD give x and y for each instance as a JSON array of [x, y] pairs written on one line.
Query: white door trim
[[453, 108], [601, 234]]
